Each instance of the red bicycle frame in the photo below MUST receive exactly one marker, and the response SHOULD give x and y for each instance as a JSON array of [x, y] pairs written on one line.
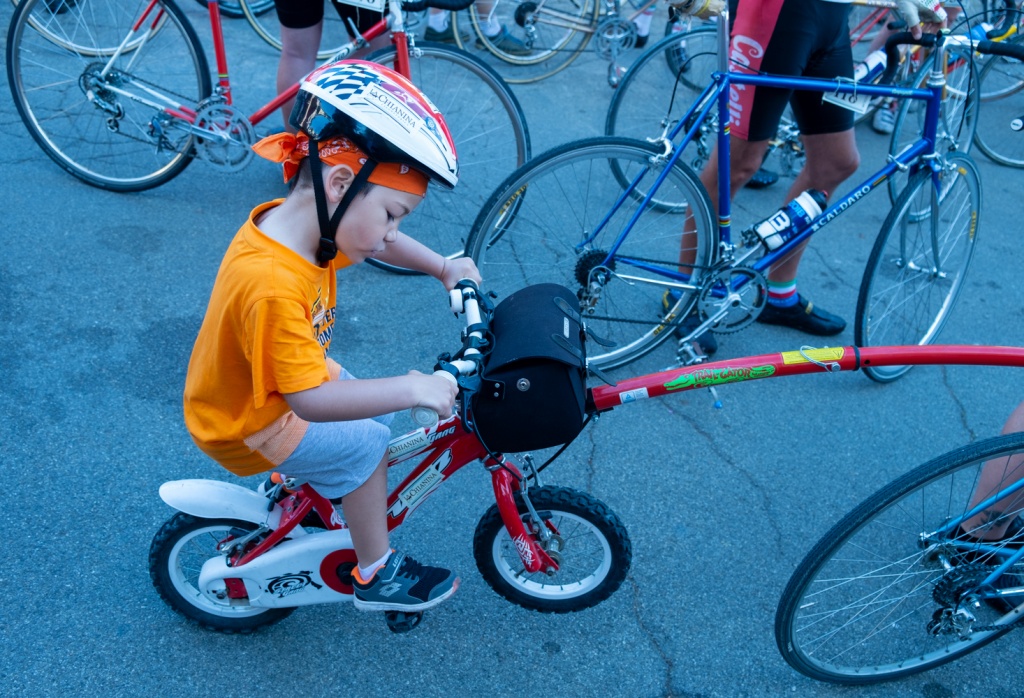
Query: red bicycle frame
[[398, 38], [443, 449], [795, 363]]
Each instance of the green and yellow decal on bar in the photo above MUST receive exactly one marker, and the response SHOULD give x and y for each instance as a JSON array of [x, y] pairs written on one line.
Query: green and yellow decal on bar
[[706, 377], [822, 355]]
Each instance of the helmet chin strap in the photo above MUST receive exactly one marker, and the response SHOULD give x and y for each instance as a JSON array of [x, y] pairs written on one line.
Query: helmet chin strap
[[328, 249]]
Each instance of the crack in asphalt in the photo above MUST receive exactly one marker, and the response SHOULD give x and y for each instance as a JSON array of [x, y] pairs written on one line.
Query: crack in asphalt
[[959, 404], [765, 499], [665, 658], [591, 469]]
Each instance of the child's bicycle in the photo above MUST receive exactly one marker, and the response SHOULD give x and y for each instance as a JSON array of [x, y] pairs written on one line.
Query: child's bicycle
[[234, 560], [119, 94], [904, 583], [631, 229]]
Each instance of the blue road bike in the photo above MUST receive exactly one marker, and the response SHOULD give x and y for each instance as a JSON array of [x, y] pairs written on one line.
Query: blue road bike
[[606, 217], [906, 582]]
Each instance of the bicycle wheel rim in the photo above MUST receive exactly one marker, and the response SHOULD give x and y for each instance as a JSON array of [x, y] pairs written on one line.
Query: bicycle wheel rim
[[994, 135], [857, 609], [490, 134], [536, 227], [89, 113]]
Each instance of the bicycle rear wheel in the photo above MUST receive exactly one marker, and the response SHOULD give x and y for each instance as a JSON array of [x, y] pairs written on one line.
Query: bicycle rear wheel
[[113, 122], [860, 608], [661, 85], [543, 224], [490, 134], [262, 17], [958, 116], [537, 39], [920, 258], [1002, 85]]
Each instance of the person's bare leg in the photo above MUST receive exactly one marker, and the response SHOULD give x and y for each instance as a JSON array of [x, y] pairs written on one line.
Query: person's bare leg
[[298, 58], [745, 158], [365, 510], [831, 159], [997, 475]]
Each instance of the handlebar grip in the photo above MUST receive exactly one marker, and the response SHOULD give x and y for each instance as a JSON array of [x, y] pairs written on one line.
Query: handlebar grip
[[420, 5], [1001, 48], [892, 51], [424, 416]]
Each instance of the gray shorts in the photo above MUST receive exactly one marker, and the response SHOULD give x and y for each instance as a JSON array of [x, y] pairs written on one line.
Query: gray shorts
[[337, 457]]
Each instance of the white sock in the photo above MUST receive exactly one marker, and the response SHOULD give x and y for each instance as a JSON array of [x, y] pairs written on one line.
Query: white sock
[[438, 21], [492, 27], [366, 573], [643, 22]]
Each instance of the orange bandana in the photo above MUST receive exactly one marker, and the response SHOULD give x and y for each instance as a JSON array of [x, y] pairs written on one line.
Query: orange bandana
[[291, 148]]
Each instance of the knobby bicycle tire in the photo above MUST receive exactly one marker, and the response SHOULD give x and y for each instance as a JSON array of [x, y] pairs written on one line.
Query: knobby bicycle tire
[[911, 283], [535, 226], [491, 138], [858, 608], [94, 122], [958, 117], [554, 34], [595, 553]]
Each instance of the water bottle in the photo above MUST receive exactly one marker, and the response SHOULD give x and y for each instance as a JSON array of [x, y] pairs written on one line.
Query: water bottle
[[872, 67], [980, 31], [791, 219]]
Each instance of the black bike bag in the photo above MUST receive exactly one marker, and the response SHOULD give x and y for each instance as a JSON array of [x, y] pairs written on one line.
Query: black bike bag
[[533, 391]]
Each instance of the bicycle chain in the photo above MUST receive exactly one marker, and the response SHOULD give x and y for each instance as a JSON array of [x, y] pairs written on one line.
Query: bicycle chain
[[141, 81], [963, 574]]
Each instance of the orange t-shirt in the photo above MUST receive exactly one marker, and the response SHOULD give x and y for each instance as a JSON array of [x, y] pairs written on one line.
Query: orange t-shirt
[[266, 333]]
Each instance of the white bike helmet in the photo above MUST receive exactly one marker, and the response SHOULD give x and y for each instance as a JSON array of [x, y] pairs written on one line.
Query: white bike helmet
[[382, 113]]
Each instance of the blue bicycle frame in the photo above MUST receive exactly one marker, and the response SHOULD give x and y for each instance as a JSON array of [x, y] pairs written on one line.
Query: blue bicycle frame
[[920, 152]]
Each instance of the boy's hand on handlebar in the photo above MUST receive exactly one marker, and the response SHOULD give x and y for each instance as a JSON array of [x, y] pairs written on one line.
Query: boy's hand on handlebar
[[434, 392], [916, 12], [457, 269]]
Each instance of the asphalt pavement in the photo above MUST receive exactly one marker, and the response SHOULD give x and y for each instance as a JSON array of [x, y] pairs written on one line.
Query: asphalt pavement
[[101, 296]]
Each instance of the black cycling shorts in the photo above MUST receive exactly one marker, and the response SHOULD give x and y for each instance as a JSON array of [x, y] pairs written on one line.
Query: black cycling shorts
[[807, 38], [300, 14]]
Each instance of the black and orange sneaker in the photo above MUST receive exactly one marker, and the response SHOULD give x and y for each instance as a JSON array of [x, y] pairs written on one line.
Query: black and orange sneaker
[[403, 584]]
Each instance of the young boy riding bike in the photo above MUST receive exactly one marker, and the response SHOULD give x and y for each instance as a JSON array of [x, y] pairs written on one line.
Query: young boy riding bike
[[261, 392]]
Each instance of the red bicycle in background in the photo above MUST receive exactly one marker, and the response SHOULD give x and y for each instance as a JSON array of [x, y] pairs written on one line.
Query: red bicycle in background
[[119, 94]]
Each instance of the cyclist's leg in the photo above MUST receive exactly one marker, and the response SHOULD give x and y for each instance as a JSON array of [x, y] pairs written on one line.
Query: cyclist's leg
[[1003, 473], [301, 26], [829, 146], [831, 158]]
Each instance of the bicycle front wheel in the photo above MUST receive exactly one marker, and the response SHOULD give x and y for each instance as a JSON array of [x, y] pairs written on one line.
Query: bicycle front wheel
[[867, 603], [1002, 101], [557, 219], [920, 258], [489, 129]]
